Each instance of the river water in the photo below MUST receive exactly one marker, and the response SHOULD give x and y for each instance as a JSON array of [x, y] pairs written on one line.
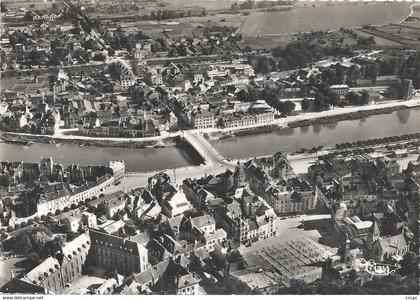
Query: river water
[[136, 160], [293, 139], [290, 140]]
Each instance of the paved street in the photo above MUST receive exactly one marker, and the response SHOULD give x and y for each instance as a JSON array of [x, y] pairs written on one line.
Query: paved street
[[287, 229], [9, 265]]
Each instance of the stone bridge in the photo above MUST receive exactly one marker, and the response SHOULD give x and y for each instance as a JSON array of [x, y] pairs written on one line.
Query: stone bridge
[[209, 153]]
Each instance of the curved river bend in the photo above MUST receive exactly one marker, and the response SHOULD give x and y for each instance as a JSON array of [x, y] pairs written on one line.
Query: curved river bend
[[290, 140]]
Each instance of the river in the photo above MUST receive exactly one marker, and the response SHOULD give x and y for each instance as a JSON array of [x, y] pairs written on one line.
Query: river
[[333, 17], [290, 140], [293, 139], [147, 159]]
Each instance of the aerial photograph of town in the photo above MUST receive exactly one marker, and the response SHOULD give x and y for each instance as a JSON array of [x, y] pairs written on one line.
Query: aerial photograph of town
[[209, 147]]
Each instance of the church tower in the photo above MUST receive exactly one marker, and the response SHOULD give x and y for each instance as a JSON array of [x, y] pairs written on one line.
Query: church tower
[[373, 235], [345, 249], [239, 176]]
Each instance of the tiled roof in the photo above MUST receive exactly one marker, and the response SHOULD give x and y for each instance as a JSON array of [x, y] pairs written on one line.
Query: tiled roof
[[110, 241], [202, 221]]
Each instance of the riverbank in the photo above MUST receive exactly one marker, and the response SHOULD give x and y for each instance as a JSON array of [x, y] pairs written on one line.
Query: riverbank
[[169, 139], [346, 116], [27, 139], [305, 122], [220, 135]]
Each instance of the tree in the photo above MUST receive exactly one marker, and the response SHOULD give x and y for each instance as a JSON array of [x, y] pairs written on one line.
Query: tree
[[234, 7], [33, 259], [353, 73], [409, 264], [228, 285], [300, 287], [3, 7], [306, 104], [22, 243], [4, 181], [353, 98], [364, 97], [242, 96], [319, 101], [286, 107], [374, 71]]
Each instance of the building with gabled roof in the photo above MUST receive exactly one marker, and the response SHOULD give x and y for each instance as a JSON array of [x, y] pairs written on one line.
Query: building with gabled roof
[[122, 254], [56, 271]]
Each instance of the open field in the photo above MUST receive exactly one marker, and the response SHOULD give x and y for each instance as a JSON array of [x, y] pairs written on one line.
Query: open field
[[264, 43], [403, 32], [226, 4], [379, 41], [393, 34], [30, 4], [207, 4], [334, 17], [333, 39], [414, 25], [157, 30]]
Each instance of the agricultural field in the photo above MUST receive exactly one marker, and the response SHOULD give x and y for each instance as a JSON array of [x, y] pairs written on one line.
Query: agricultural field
[[29, 4], [231, 20], [378, 40], [163, 29], [395, 34], [206, 4], [264, 43], [403, 31], [414, 25]]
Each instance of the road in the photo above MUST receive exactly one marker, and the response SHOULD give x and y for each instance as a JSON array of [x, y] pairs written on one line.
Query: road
[[206, 150], [134, 180]]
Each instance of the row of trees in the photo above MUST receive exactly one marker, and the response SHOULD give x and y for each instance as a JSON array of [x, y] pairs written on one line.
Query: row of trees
[[323, 100], [299, 53], [250, 4], [272, 99], [173, 14], [295, 55]]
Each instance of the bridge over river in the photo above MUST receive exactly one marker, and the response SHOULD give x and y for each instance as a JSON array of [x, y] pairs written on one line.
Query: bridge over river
[[207, 151]]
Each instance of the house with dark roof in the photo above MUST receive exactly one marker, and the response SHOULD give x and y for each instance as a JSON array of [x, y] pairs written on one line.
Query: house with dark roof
[[56, 271], [122, 254]]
